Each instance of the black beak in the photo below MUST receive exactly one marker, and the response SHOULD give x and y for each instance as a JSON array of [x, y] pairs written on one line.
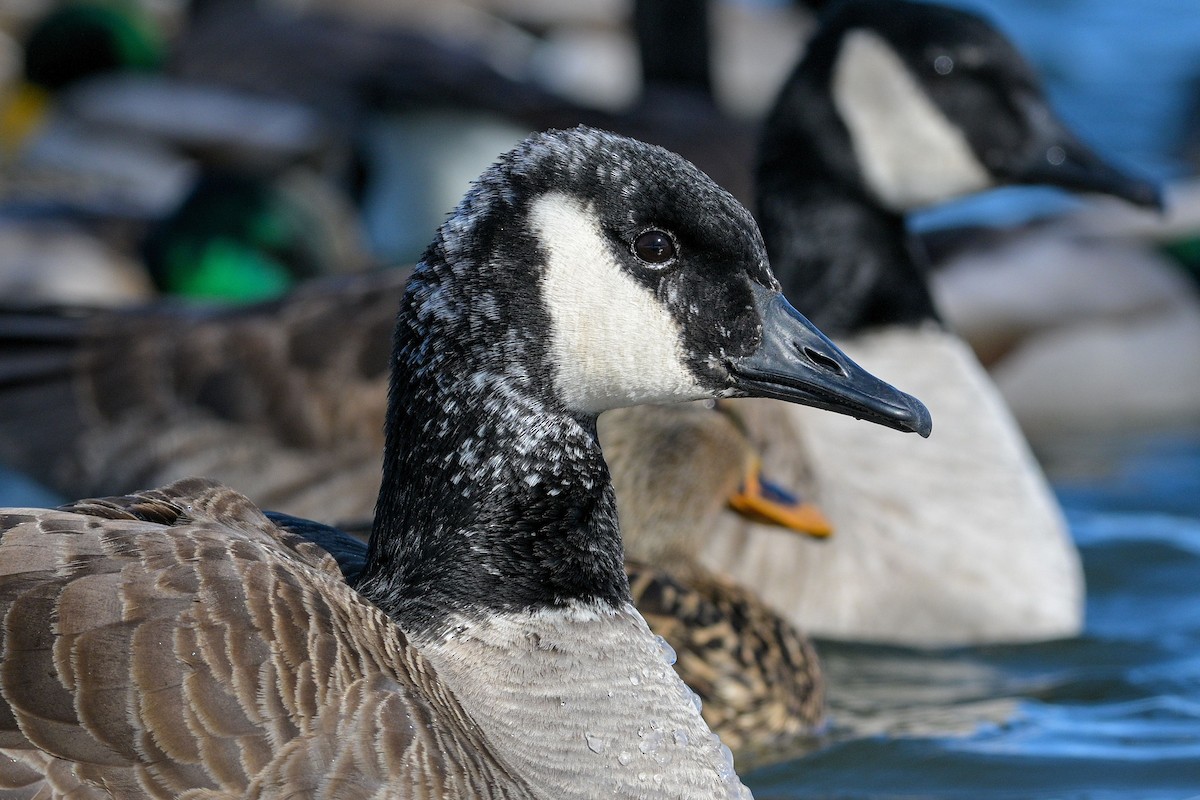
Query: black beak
[[795, 362], [1055, 157]]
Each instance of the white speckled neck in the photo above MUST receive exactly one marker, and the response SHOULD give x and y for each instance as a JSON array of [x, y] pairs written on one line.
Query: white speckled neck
[[582, 703], [910, 154], [597, 311]]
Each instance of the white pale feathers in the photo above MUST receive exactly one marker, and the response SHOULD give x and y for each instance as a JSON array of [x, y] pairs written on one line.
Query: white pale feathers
[[911, 155], [613, 343]]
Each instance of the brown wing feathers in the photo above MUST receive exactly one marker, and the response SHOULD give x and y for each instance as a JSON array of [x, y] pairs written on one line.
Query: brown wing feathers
[[187, 600]]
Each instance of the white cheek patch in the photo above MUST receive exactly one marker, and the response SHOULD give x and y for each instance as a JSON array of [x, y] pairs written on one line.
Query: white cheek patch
[[910, 154], [612, 342]]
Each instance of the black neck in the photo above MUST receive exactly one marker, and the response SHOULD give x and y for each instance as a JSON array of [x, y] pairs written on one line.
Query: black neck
[[844, 261], [491, 488]]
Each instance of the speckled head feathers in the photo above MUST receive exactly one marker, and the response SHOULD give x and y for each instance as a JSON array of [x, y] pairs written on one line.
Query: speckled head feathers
[[549, 232], [611, 169]]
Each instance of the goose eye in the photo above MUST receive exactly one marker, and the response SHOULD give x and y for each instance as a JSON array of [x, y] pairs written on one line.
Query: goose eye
[[654, 246]]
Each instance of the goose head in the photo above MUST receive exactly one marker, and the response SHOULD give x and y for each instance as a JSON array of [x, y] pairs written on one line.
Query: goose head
[[625, 276], [919, 103], [896, 106], [583, 272]]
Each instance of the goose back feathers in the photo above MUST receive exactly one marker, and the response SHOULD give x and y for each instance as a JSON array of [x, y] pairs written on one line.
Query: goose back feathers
[[200, 653], [284, 400]]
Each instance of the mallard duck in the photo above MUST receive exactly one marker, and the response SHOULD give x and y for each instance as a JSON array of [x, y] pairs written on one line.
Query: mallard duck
[[897, 105], [48, 253], [673, 470], [490, 649], [234, 189]]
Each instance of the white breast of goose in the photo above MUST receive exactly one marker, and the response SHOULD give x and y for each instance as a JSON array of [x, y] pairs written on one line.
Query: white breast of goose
[[587, 700]]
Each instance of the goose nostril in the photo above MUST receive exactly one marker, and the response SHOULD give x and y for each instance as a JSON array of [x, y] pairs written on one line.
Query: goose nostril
[[823, 361]]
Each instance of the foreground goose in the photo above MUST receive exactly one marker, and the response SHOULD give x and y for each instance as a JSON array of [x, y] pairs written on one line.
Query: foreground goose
[[177, 643], [897, 105]]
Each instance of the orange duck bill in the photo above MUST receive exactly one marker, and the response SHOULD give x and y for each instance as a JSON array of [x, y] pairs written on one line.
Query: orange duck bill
[[760, 500]]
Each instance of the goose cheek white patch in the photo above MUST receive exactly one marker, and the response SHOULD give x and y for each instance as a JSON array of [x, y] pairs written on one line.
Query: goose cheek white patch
[[611, 341], [911, 154]]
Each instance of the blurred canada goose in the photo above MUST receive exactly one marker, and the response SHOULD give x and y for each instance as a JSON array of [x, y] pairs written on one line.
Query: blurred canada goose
[[897, 105], [177, 643]]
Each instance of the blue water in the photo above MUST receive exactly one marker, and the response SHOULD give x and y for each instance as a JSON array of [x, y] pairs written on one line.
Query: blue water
[[1111, 715]]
